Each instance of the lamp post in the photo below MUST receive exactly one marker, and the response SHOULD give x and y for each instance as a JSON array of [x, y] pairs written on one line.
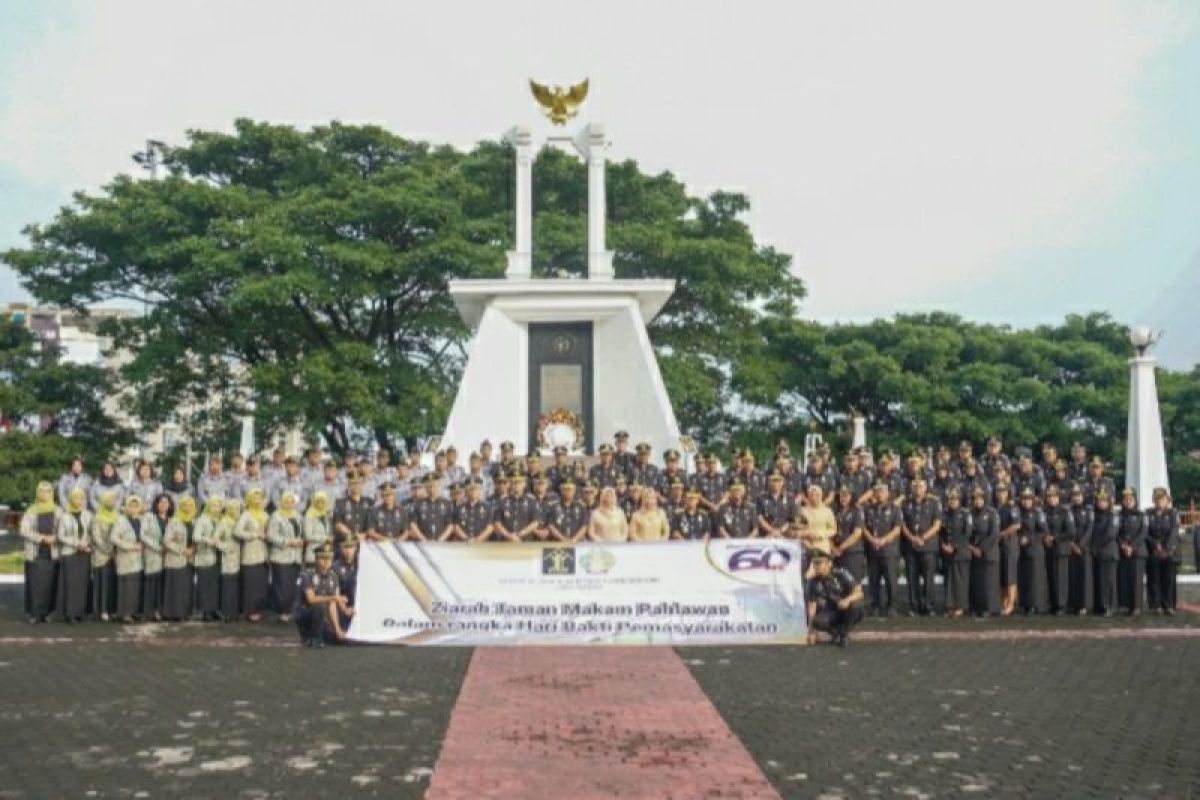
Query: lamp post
[[1145, 456]]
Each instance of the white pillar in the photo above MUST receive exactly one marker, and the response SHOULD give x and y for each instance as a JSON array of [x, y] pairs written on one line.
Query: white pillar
[[1145, 456], [592, 146], [520, 259], [859, 435]]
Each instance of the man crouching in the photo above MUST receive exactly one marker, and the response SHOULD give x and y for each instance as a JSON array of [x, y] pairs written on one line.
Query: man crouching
[[320, 605], [835, 600]]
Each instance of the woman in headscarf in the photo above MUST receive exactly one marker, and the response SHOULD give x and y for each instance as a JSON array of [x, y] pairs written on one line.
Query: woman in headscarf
[[318, 527], [230, 550], [208, 571], [252, 532], [154, 525], [178, 486], [608, 522], [74, 556], [649, 522], [179, 546], [104, 571], [107, 481], [127, 552], [286, 535], [38, 529]]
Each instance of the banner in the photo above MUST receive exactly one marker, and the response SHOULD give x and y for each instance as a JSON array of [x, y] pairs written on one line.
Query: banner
[[725, 591]]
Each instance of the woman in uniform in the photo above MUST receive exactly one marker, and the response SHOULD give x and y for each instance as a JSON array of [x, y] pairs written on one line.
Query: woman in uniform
[[251, 531], [39, 527], [230, 549], [107, 481], [104, 571], [74, 558], [127, 553], [154, 527], [208, 571], [848, 551], [177, 487], [318, 527], [285, 532], [608, 522], [179, 546]]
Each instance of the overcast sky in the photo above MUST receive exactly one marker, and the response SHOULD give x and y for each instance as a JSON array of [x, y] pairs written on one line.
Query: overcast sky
[[1007, 161]]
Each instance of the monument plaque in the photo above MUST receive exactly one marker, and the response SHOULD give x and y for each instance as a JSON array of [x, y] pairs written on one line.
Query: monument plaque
[[562, 387], [560, 374]]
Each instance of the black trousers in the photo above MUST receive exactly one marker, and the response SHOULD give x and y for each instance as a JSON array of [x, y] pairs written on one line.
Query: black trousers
[[881, 577], [1160, 583], [837, 622], [1081, 595], [1131, 579], [1061, 568], [312, 622], [911, 568], [855, 563], [926, 572], [1106, 585]]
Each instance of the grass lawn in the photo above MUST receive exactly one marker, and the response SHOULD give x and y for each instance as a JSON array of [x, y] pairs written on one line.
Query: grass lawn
[[12, 563]]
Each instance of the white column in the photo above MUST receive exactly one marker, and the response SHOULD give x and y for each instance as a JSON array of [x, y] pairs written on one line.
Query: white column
[[859, 436], [520, 259], [592, 146], [1145, 456]]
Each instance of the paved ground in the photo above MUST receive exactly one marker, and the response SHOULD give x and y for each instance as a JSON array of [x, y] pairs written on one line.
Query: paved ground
[[1044, 707]]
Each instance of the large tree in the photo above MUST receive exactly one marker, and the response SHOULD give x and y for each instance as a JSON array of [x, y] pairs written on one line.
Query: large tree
[[312, 267]]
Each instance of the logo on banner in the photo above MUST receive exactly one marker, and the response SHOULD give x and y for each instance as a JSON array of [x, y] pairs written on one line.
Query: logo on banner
[[558, 561], [597, 562], [758, 557]]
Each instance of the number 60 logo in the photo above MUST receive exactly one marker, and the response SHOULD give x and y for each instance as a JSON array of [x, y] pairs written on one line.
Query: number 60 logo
[[762, 557]]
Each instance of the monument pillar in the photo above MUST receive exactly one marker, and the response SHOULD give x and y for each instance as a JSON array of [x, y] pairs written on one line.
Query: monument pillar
[[592, 145], [1145, 455], [520, 259]]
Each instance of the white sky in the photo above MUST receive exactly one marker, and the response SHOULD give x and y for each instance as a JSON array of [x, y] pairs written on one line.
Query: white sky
[[909, 155]]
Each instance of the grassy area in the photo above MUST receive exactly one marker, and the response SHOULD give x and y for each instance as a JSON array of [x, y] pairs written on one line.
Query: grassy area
[[12, 563]]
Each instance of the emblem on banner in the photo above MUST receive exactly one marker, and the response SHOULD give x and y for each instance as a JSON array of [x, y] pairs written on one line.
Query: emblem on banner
[[558, 561], [597, 562]]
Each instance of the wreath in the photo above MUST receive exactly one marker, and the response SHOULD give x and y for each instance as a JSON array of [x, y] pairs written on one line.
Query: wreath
[[559, 416]]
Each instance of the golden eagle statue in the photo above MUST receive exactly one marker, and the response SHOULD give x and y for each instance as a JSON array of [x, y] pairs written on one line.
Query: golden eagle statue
[[557, 103]]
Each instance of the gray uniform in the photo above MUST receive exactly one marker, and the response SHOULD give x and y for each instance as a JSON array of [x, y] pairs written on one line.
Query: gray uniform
[[145, 490], [210, 485], [68, 482], [294, 485]]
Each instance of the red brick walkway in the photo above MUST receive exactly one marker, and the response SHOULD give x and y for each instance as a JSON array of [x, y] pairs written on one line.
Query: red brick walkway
[[566, 722]]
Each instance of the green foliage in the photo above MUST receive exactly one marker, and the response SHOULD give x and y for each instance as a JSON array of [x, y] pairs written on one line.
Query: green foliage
[[28, 458]]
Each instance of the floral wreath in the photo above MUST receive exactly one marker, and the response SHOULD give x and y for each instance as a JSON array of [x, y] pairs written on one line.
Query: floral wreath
[[559, 416]]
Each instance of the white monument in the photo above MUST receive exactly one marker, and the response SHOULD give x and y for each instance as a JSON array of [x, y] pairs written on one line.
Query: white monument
[[1145, 456], [561, 360]]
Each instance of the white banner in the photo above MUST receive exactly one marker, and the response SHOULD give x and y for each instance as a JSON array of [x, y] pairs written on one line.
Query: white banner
[[725, 591]]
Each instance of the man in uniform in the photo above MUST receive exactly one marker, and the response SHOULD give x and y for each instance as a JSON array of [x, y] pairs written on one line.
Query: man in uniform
[[1080, 560], [310, 470], [713, 488], [752, 477], [623, 458], [1009, 514], [388, 518], [455, 472], [856, 478], [691, 522], [1061, 538], [274, 470], [1079, 463], [545, 506], [591, 495], [519, 516], [319, 601], [955, 543], [985, 556], [352, 513], [290, 482], [1028, 476], [849, 551], [213, 483], [144, 485], [560, 470], [676, 500], [433, 516], [1162, 540], [922, 522], [606, 472], [476, 471], [473, 520], [643, 471], [1106, 531], [883, 523], [506, 463], [775, 509], [568, 519], [737, 518], [329, 482], [346, 570], [995, 460], [668, 474], [834, 598], [1097, 482]]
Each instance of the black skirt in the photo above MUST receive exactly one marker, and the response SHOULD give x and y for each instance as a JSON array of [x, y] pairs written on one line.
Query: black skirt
[[177, 593], [152, 589], [283, 587], [231, 591], [129, 594], [254, 588], [104, 590], [40, 575], [73, 572], [208, 590]]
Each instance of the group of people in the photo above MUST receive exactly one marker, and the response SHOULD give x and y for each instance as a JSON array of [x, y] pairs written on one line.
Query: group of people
[[1006, 534]]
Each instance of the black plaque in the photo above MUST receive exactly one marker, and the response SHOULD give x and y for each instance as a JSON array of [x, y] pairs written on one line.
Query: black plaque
[[560, 374]]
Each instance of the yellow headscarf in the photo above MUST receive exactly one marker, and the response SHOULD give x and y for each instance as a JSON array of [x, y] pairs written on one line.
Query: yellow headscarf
[[287, 505], [319, 506], [255, 500], [233, 509], [107, 513], [133, 503], [187, 509], [76, 500], [43, 499], [214, 506]]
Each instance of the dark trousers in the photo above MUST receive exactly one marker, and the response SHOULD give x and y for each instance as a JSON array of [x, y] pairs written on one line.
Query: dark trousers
[[837, 622], [1061, 565], [1082, 597], [1106, 585], [1160, 583], [312, 622], [958, 584], [881, 577], [911, 568], [853, 562], [985, 586], [1131, 579], [926, 589]]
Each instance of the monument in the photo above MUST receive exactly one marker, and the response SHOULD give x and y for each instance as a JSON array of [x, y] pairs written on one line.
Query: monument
[[1145, 456], [560, 361]]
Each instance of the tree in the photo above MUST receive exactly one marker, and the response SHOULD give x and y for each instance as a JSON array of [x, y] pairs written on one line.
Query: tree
[[312, 267]]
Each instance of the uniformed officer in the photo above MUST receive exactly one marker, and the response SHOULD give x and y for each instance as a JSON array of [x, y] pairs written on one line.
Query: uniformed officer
[[433, 515], [670, 473], [213, 483], [883, 525], [561, 469], [1080, 565], [389, 519], [737, 518], [606, 472], [1097, 482], [346, 570], [817, 474], [473, 519], [713, 488], [692, 521], [1031, 574], [568, 518], [857, 478], [753, 478], [311, 470], [1009, 513], [643, 471], [591, 495], [1079, 464], [352, 513], [994, 460], [676, 499], [506, 463], [848, 549], [955, 536], [1060, 539], [834, 598], [622, 455], [477, 472], [518, 516], [985, 555], [1131, 540], [329, 481], [1162, 546], [922, 522], [1028, 476], [318, 601], [144, 485], [74, 477], [291, 482], [1106, 532], [775, 509]]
